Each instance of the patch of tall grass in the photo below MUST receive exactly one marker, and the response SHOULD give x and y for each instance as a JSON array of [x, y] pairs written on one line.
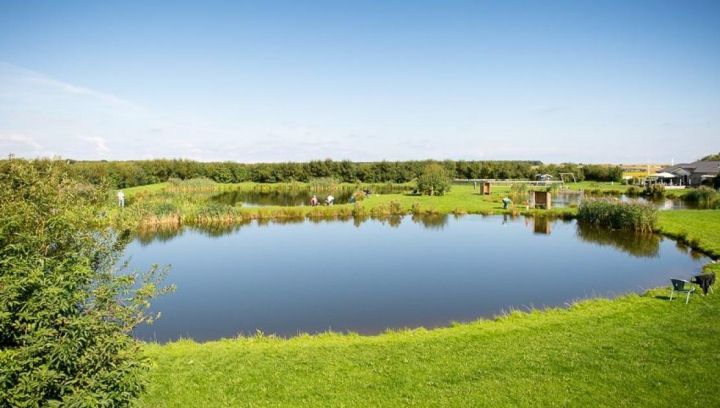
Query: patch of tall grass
[[618, 215], [196, 185], [704, 196]]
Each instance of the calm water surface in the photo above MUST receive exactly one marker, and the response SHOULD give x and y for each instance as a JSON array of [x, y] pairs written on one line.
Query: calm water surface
[[313, 277]]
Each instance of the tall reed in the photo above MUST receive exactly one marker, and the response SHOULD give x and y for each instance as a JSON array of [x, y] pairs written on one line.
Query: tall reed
[[618, 215]]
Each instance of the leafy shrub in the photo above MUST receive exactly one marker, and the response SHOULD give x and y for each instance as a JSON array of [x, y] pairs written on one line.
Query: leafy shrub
[[618, 215], [654, 190], [633, 191], [435, 180], [65, 314]]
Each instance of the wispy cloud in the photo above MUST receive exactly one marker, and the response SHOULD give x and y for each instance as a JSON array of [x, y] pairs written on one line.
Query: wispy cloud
[[34, 78], [9, 139], [98, 143]]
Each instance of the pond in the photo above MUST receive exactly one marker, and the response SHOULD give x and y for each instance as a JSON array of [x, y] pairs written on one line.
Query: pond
[[369, 276]]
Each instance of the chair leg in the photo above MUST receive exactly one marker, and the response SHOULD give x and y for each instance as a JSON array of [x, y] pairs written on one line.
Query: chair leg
[[671, 293], [687, 299]]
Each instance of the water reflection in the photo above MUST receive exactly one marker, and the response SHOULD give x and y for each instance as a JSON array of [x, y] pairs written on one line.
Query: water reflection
[[635, 244], [431, 221], [541, 225], [565, 199], [163, 233]]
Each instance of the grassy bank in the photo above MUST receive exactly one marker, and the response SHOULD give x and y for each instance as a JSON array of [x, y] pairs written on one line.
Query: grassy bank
[[698, 228], [632, 351]]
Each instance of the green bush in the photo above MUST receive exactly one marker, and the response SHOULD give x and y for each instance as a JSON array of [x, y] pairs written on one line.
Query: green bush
[[618, 215], [434, 180], [654, 191], [633, 191], [65, 314]]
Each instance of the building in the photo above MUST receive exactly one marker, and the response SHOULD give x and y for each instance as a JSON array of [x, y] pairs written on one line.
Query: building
[[689, 174]]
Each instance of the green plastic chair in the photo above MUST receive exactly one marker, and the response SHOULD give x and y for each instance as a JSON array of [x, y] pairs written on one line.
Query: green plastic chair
[[681, 286]]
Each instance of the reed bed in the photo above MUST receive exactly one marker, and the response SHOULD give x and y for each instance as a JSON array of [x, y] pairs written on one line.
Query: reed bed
[[618, 215], [704, 196]]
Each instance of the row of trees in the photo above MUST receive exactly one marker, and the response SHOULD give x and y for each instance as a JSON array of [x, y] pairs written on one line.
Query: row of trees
[[123, 174]]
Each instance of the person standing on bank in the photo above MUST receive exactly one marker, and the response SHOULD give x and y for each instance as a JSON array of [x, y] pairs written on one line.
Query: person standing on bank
[[121, 198]]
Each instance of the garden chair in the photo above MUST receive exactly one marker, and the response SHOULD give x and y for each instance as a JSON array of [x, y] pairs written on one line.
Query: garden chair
[[681, 286]]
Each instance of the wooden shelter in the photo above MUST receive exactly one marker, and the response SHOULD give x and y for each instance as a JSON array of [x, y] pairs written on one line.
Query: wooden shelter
[[485, 188], [543, 199]]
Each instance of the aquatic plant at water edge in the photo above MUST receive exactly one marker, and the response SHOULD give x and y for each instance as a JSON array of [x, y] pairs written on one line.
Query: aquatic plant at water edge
[[323, 184], [705, 196], [519, 193], [618, 215]]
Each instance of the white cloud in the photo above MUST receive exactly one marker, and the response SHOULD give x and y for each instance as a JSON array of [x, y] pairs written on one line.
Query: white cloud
[[19, 139], [98, 142], [36, 79]]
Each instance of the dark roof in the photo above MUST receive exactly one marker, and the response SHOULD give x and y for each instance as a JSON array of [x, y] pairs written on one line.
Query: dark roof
[[712, 167]]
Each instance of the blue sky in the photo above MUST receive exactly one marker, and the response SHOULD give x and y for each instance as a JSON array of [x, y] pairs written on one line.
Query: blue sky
[[602, 81]]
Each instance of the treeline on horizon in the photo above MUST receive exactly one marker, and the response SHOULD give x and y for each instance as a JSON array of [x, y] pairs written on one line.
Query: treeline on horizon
[[124, 174]]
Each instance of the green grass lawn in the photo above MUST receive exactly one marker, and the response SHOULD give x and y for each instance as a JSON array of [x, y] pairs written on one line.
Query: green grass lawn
[[699, 227], [632, 351]]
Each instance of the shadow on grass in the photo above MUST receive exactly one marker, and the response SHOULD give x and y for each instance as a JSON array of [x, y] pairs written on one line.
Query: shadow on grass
[[663, 297]]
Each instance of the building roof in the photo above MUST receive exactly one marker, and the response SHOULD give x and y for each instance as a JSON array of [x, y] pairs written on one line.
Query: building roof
[[709, 167]]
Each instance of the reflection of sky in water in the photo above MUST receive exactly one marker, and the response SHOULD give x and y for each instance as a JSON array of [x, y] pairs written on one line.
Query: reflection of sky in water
[[372, 275], [562, 199]]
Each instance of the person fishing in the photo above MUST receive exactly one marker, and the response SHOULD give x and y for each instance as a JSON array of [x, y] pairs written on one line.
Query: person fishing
[[314, 201], [330, 200], [506, 202]]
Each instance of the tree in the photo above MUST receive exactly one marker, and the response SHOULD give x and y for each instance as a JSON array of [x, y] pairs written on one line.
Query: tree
[[434, 180], [65, 314], [712, 157]]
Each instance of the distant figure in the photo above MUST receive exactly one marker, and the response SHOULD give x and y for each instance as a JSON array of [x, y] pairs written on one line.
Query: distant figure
[[351, 200], [314, 201], [121, 198], [367, 192], [330, 200], [506, 202]]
